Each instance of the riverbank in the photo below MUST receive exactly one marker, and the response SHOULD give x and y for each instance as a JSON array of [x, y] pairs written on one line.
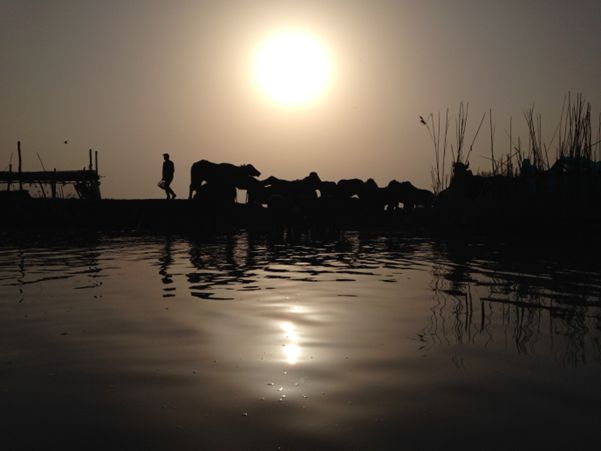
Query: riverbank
[[188, 216], [570, 222]]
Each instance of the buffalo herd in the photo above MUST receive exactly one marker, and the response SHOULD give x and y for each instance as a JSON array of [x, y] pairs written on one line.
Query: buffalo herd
[[216, 184], [569, 183]]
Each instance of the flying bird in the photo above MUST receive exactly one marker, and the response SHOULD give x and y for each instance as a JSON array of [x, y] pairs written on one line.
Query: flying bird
[[66, 142], [421, 119]]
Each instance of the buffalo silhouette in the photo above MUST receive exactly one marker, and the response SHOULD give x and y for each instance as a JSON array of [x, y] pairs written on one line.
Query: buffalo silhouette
[[373, 198], [275, 190], [328, 189], [408, 195], [221, 174], [216, 194], [348, 188], [292, 191]]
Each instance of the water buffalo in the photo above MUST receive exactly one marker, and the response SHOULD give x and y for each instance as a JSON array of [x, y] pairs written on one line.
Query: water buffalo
[[258, 192], [328, 190], [273, 189], [408, 195], [465, 184], [294, 190], [216, 194], [223, 174], [372, 196], [348, 188]]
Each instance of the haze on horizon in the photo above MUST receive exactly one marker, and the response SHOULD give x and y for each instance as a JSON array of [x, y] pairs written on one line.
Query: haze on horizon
[[133, 81]]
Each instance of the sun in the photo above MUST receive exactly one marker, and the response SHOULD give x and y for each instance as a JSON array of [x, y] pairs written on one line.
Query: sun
[[292, 68]]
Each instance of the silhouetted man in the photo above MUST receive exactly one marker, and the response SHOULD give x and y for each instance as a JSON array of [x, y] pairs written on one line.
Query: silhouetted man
[[168, 171]]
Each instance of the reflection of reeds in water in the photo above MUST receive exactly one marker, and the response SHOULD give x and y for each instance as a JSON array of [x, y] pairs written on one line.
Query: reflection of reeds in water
[[524, 314], [60, 260], [452, 319], [485, 295]]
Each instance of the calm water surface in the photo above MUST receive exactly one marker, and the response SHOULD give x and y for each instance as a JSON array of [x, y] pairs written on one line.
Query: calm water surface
[[366, 341]]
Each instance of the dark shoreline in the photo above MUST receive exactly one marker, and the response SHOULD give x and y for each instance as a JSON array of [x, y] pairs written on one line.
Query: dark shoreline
[[183, 216], [188, 216]]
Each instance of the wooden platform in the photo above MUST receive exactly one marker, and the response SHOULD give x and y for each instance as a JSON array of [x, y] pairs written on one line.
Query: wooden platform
[[85, 182], [49, 177]]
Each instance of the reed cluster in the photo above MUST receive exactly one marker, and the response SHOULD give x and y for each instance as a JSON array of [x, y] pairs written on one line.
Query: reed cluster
[[572, 140], [438, 129]]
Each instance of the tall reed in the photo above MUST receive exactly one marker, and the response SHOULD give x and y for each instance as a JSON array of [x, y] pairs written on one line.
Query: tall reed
[[438, 131]]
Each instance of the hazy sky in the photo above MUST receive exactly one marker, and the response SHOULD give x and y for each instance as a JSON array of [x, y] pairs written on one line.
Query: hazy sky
[[134, 79]]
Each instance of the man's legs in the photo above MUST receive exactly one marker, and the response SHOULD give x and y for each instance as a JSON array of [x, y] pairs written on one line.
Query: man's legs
[[168, 190]]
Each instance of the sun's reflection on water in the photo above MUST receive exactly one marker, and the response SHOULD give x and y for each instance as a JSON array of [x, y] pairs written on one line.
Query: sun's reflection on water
[[292, 348]]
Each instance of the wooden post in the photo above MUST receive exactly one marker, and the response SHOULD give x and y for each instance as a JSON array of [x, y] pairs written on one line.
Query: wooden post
[[90, 167], [19, 154], [96, 161], [53, 185]]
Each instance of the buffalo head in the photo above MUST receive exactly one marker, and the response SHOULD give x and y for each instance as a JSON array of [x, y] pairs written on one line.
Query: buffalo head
[[250, 170]]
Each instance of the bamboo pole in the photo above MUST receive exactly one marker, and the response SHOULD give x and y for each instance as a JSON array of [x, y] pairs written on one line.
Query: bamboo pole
[[53, 187], [44, 169], [20, 168], [10, 169], [492, 143]]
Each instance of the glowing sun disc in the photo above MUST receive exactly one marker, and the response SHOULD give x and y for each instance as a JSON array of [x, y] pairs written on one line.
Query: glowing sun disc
[[292, 68]]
